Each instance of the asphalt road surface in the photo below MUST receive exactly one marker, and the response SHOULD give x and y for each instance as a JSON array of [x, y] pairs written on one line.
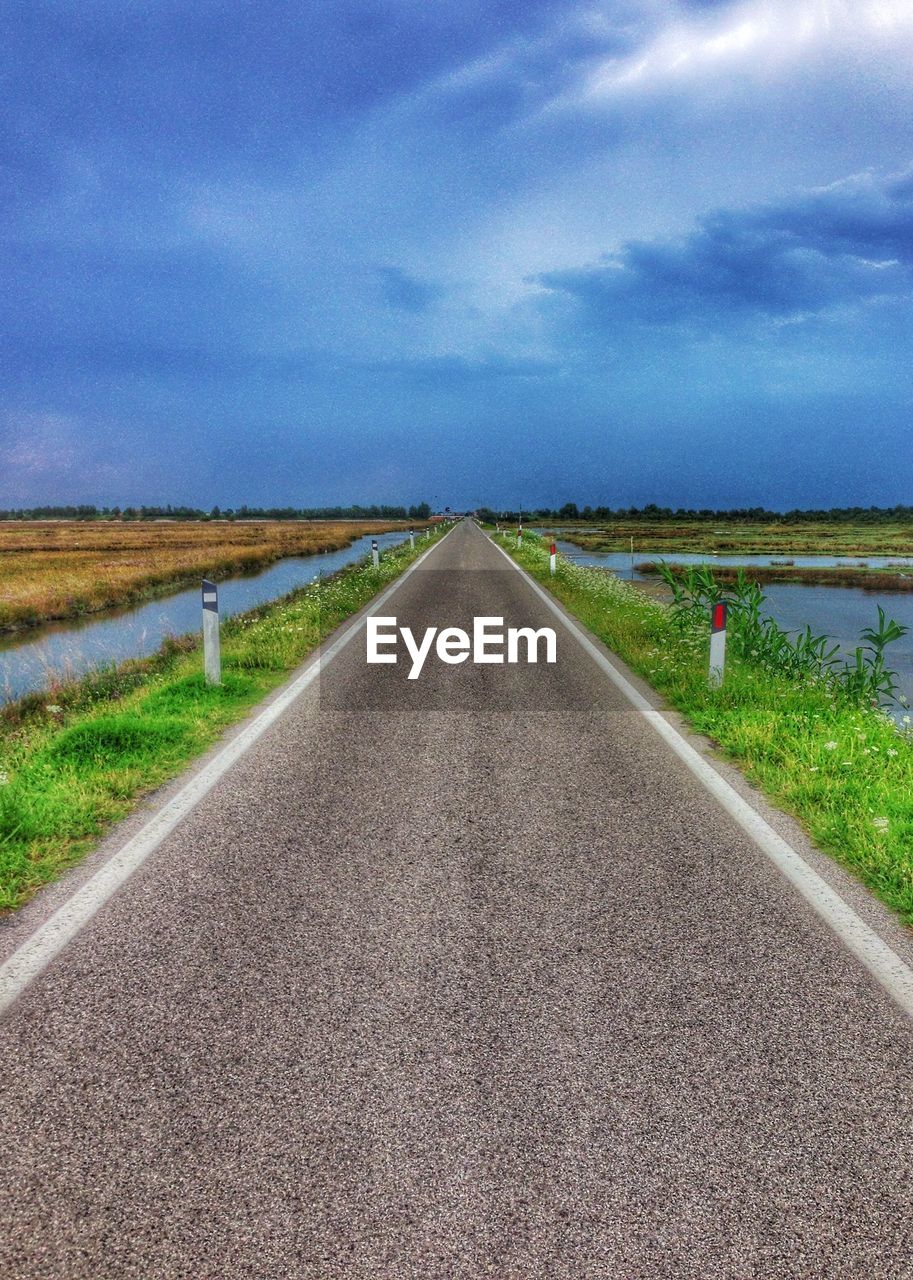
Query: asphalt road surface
[[458, 977]]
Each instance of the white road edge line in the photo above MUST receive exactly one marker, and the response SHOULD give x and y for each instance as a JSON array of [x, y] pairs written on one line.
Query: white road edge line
[[885, 965], [34, 955]]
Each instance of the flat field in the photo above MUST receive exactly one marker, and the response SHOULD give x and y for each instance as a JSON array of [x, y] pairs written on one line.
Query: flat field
[[793, 538], [62, 569]]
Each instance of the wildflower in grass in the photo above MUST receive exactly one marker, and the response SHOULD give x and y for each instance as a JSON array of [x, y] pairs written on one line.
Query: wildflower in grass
[[891, 751], [830, 746], [4, 778], [53, 709], [880, 824]]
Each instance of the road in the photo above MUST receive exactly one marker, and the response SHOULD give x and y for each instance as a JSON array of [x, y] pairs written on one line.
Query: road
[[464, 977]]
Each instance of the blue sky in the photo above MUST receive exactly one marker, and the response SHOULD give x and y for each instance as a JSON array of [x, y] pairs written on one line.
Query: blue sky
[[617, 252]]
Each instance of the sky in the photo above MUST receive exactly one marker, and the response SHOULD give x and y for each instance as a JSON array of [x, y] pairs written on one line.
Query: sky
[[512, 252]]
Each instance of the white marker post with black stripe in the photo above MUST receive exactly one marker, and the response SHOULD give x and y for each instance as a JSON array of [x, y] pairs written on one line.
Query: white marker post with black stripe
[[375, 554], [718, 642], [519, 536], [212, 659], [552, 559], [412, 539]]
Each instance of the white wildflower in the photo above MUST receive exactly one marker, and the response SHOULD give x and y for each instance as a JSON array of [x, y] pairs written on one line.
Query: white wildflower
[[4, 778], [53, 708], [830, 746], [880, 824]]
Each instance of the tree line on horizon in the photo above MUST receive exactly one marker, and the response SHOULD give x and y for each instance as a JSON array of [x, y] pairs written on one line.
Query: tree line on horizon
[[745, 515], [422, 510], [419, 511]]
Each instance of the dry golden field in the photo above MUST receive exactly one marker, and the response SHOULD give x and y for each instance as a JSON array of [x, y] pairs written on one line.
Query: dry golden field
[[60, 569]]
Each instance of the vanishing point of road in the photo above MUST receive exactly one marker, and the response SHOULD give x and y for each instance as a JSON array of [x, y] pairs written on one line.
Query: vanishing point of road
[[466, 976]]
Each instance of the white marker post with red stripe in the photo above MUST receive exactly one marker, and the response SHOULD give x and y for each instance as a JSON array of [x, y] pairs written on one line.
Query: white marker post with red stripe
[[718, 642], [552, 558], [375, 554], [212, 659]]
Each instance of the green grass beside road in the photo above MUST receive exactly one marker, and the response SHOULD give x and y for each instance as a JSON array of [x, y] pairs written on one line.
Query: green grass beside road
[[844, 768], [77, 758]]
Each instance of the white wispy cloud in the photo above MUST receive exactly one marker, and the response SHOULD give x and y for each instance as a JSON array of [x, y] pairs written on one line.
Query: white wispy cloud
[[755, 36]]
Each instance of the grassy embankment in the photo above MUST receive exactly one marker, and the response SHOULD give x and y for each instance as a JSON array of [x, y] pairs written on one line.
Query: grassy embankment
[[732, 538], [77, 758], [63, 569], [844, 769]]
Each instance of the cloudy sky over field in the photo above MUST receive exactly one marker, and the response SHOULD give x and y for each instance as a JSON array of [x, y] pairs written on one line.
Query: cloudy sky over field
[[502, 250]]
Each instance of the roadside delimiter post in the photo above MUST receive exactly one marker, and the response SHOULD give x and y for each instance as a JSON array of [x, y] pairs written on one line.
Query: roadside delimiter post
[[212, 662], [412, 539], [552, 558], [717, 642], [519, 536], [375, 554]]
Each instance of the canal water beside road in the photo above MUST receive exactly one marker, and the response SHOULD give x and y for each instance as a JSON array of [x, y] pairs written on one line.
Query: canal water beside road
[[32, 660]]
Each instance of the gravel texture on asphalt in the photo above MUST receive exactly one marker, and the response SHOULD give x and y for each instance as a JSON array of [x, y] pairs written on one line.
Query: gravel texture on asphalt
[[458, 977]]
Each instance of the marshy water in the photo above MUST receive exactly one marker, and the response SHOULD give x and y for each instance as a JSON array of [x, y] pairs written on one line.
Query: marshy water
[[620, 561], [840, 612], [31, 660]]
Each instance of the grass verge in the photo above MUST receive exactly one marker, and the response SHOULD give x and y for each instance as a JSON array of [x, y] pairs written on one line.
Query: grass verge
[[843, 769], [76, 759]]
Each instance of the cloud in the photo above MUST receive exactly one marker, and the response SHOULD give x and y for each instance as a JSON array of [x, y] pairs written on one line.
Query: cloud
[[834, 248], [458, 370], [405, 292], [43, 452], [751, 38]]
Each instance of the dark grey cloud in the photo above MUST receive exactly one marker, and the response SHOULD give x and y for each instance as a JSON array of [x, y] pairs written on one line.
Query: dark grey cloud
[[405, 292], [218, 83], [827, 249]]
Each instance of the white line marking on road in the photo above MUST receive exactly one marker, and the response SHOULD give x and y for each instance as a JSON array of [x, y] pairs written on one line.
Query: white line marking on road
[[37, 952], [882, 962]]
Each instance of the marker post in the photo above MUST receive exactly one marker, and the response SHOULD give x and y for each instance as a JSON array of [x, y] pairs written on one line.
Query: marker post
[[412, 539], [375, 554], [718, 614], [212, 660], [552, 559], [519, 537]]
